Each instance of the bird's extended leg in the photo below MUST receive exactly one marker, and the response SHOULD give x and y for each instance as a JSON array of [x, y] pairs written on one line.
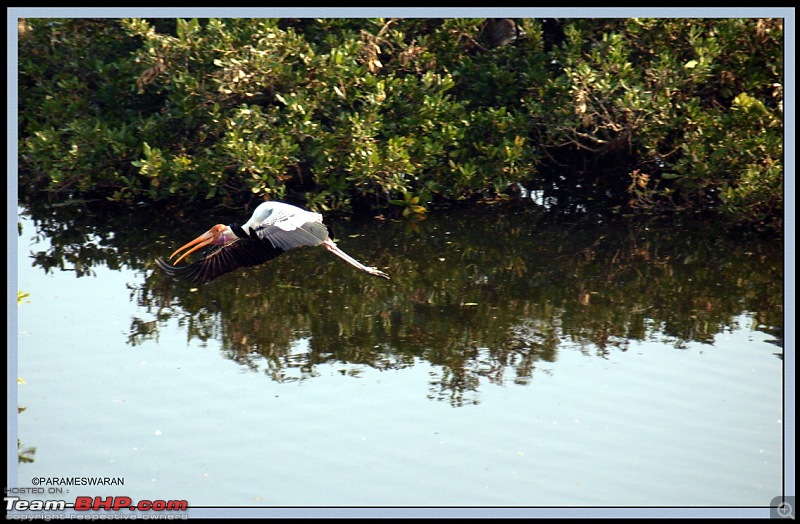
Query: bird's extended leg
[[331, 246]]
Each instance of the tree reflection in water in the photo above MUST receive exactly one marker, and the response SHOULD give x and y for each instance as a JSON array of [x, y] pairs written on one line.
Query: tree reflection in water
[[482, 294]]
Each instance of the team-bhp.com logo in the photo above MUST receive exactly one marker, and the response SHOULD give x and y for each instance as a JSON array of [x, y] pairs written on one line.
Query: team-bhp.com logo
[[14, 503]]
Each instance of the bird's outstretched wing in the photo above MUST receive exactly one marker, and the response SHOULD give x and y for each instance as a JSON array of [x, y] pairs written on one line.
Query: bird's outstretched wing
[[242, 252], [286, 235]]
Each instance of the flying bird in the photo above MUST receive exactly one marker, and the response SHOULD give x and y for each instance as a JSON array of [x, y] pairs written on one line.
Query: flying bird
[[274, 228]]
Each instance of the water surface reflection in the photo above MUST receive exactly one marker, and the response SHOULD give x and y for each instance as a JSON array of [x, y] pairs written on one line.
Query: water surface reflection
[[482, 294]]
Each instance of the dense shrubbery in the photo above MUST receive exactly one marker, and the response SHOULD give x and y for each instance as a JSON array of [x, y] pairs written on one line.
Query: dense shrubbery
[[652, 114]]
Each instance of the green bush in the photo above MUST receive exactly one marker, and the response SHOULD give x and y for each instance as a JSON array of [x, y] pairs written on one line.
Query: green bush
[[693, 108], [652, 115]]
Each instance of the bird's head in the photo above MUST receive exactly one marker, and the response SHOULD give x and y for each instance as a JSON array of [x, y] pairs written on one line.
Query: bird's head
[[218, 234]]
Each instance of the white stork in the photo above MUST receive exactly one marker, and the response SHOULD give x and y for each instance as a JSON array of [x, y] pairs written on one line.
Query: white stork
[[274, 228]]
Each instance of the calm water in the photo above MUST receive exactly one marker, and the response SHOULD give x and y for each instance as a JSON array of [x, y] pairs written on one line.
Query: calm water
[[512, 360]]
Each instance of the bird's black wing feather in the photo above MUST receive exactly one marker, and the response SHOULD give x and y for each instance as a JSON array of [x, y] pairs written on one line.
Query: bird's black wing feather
[[242, 252]]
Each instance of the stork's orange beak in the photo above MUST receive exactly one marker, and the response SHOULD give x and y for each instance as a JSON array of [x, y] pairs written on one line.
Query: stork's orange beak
[[203, 240]]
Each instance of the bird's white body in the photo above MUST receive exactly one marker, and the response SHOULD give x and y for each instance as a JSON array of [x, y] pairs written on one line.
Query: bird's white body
[[282, 215], [286, 226]]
